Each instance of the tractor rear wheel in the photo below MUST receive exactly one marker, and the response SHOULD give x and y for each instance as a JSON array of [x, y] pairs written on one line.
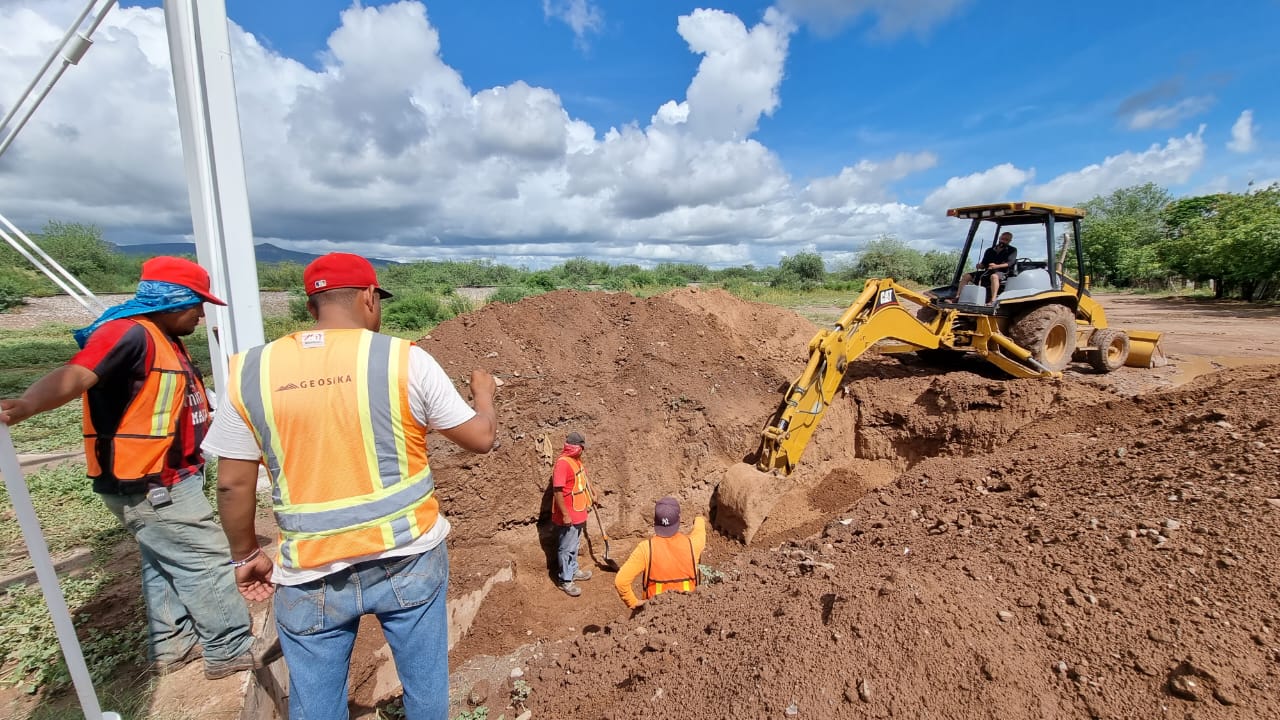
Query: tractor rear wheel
[[1049, 333], [1111, 349]]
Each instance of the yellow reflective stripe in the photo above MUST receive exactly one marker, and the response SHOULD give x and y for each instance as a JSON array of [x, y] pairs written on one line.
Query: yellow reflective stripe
[[659, 587], [354, 501], [395, 366], [367, 438], [269, 414], [385, 520], [162, 415]]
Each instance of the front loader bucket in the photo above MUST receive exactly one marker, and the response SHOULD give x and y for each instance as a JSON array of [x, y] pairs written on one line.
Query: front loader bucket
[[742, 500], [1145, 350]]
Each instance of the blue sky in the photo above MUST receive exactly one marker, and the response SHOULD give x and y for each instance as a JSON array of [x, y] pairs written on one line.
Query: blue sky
[[641, 132]]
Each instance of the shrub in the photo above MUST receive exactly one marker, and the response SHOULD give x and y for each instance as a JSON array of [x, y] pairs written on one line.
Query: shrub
[[298, 308], [542, 280], [512, 294], [279, 276], [414, 311], [11, 294]]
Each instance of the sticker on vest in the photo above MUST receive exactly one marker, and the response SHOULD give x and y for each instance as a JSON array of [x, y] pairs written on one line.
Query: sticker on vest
[[312, 339]]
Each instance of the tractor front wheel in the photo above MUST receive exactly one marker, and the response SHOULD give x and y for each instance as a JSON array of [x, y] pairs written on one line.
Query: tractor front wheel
[[1111, 349]]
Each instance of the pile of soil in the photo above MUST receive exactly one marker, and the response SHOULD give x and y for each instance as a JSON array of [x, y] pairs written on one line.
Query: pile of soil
[[1110, 560], [1002, 547]]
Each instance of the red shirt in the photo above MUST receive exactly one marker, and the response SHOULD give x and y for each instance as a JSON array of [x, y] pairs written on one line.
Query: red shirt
[[121, 354]]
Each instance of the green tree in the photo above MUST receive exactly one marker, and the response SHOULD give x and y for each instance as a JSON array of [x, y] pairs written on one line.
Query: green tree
[[939, 267], [1233, 240], [887, 256], [804, 270], [1117, 232]]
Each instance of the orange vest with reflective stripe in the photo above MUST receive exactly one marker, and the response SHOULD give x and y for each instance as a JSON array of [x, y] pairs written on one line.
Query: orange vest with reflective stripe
[[134, 455], [348, 460], [672, 565], [579, 492]]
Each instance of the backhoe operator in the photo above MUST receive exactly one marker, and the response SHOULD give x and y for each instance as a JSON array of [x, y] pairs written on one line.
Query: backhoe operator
[[994, 267]]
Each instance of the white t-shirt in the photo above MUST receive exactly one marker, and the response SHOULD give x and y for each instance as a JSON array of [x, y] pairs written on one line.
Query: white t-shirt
[[434, 402]]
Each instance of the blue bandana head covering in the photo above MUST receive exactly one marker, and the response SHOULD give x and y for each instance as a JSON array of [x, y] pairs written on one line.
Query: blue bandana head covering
[[153, 296]]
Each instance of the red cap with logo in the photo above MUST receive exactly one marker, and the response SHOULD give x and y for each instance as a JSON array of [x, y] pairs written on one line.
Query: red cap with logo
[[340, 270], [180, 272]]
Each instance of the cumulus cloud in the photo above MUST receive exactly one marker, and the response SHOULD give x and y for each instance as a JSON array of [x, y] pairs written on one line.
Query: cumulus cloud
[[892, 17], [1164, 116], [867, 181], [582, 16], [384, 150], [993, 185], [1170, 164], [1242, 134]]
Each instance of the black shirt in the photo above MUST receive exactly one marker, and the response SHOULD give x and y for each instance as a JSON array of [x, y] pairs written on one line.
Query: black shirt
[[999, 256]]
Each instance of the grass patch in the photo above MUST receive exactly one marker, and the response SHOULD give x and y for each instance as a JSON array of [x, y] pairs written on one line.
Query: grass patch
[[29, 643]]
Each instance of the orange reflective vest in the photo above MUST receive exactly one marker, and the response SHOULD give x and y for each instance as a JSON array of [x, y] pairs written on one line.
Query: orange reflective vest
[[132, 458], [672, 565], [348, 460], [580, 492]]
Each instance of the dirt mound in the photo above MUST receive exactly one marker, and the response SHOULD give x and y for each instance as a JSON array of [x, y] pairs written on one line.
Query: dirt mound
[[664, 389], [1110, 560]]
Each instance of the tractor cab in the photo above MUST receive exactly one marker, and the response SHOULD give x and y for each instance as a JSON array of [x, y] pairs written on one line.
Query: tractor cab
[[1049, 256]]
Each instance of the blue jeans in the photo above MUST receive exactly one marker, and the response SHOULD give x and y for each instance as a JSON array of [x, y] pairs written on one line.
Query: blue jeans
[[570, 536], [189, 589], [318, 622]]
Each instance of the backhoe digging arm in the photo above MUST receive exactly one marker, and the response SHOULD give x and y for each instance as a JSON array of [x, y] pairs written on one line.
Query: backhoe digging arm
[[876, 314]]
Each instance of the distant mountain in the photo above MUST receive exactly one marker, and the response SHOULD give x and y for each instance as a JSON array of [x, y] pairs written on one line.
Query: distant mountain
[[265, 252]]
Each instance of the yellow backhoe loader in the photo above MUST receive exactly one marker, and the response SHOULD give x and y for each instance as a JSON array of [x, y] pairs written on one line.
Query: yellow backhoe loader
[[1041, 319]]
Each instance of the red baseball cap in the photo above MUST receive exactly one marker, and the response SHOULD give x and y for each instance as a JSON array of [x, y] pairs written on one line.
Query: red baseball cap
[[180, 272], [340, 270]]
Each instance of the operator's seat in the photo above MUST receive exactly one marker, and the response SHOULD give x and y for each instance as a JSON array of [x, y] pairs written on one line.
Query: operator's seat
[[1032, 277]]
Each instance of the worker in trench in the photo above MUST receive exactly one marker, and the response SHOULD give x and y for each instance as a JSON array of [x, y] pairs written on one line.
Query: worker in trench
[[665, 562], [570, 501]]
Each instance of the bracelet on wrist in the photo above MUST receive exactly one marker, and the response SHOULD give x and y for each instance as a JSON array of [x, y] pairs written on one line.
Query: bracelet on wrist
[[246, 559]]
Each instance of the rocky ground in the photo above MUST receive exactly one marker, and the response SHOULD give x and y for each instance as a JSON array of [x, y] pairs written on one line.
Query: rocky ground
[[1113, 560]]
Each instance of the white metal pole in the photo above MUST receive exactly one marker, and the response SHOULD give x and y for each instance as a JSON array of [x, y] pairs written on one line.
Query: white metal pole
[[44, 68], [204, 83], [16, 484], [73, 48]]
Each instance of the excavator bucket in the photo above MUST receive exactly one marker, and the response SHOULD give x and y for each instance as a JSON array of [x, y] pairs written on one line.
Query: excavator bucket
[[1145, 350], [742, 500]]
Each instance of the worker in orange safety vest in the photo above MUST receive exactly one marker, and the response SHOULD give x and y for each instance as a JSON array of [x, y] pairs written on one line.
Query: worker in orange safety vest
[[668, 560], [570, 501]]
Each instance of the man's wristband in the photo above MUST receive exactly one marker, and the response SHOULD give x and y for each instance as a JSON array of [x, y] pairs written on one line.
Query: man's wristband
[[246, 559]]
